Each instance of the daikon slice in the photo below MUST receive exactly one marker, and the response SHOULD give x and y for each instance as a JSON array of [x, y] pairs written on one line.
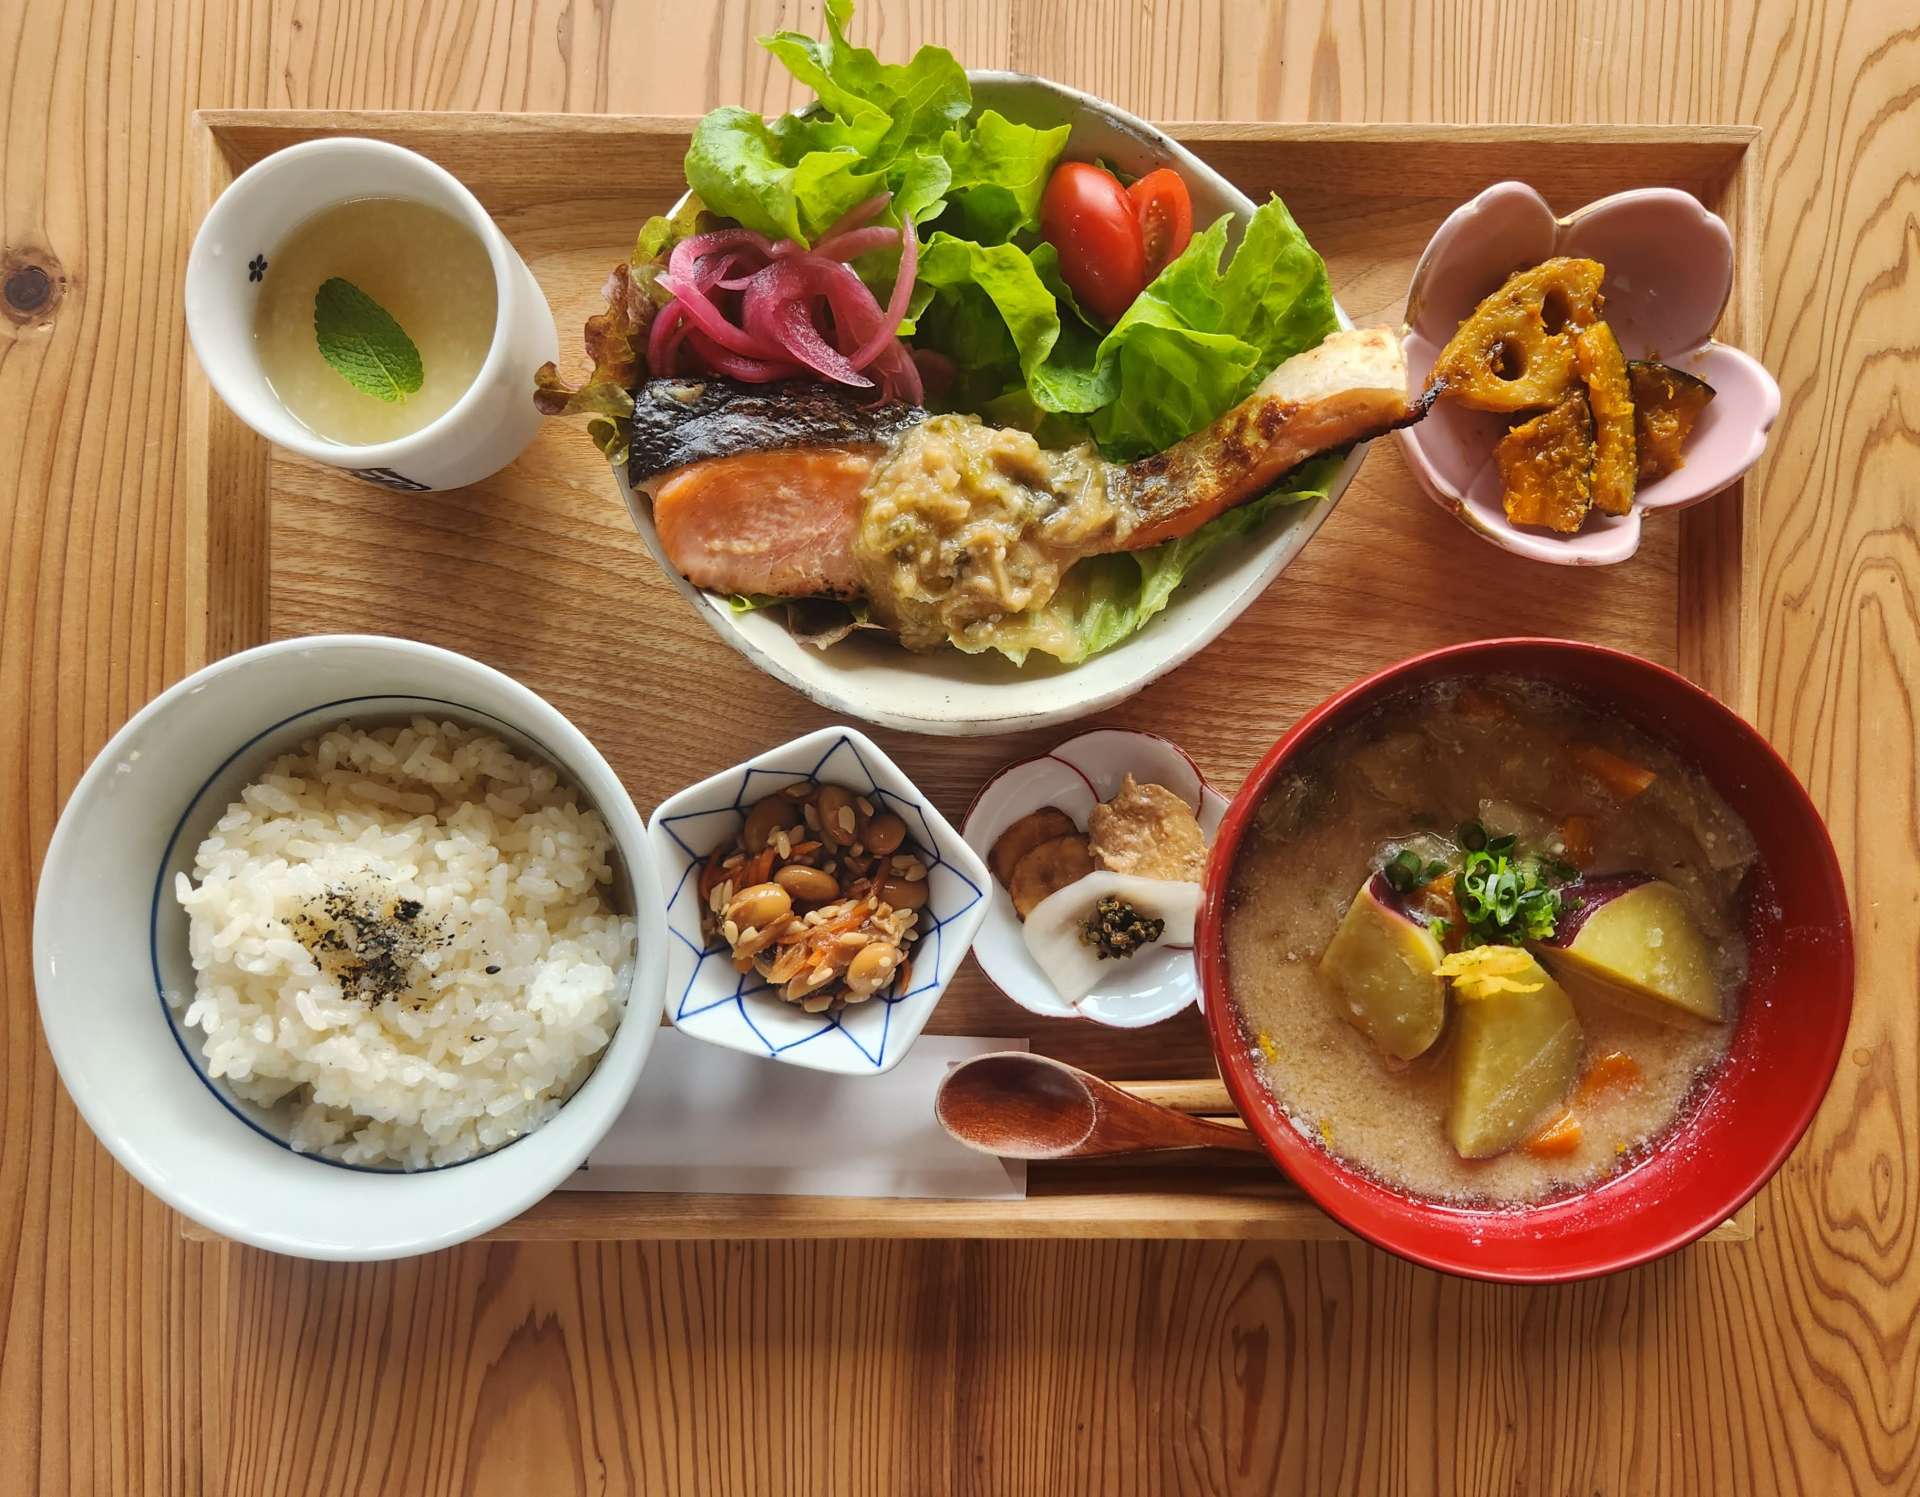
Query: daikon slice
[[1055, 931]]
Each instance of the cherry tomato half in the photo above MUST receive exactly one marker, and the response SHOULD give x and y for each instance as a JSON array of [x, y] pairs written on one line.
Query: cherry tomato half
[[1087, 216], [1165, 212]]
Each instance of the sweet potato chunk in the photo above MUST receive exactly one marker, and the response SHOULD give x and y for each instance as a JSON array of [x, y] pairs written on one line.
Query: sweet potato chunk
[[1515, 1056]]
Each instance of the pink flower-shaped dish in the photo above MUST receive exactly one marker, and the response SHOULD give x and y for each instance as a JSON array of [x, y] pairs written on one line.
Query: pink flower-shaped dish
[[1075, 777], [1669, 272]]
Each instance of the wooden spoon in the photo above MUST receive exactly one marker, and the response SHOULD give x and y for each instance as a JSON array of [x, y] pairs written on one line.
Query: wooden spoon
[[1024, 1106]]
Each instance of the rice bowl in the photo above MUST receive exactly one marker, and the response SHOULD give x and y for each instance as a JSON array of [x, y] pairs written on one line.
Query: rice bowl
[[402, 943], [111, 941]]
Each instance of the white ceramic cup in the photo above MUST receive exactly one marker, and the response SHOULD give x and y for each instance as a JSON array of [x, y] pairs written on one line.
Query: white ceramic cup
[[485, 429]]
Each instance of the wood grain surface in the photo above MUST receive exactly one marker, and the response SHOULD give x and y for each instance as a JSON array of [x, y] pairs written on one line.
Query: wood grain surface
[[132, 1361]]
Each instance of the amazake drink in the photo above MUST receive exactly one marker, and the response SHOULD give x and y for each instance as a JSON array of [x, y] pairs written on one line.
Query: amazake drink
[[374, 317]]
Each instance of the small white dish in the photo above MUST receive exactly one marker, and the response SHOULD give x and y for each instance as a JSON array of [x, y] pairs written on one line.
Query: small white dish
[[1075, 777], [708, 999], [487, 428], [109, 941], [951, 693]]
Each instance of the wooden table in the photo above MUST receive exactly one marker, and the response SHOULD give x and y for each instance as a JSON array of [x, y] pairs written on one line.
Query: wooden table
[[132, 1361]]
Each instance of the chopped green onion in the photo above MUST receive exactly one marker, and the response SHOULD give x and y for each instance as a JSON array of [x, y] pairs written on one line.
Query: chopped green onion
[[1473, 836], [1503, 901], [1403, 870]]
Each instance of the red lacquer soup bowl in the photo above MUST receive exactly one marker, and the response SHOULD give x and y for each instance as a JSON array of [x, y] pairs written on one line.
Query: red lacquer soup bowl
[[1786, 1042]]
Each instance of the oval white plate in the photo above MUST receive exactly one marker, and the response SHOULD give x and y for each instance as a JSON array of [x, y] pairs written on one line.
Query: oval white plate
[[950, 693], [1075, 776]]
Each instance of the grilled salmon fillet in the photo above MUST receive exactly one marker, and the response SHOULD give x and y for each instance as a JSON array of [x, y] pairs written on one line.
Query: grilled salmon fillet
[[776, 523], [760, 489], [1351, 387]]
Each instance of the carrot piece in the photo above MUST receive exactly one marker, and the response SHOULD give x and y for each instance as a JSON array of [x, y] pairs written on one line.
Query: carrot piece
[[1616, 1071], [1437, 902], [757, 870], [1576, 840], [853, 919], [1471, 701], [1622, 776], [712, 875], [787, 966], [1558, 1136]]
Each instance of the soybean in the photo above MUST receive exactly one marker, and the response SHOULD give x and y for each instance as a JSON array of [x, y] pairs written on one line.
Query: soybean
[[765, 819], [838, 824], [902, 894], [760, 905], [871, 968], [885, 833], [807, 885]]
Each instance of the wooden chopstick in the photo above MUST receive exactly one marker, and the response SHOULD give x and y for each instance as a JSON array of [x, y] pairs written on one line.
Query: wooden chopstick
[[1203, 1096]]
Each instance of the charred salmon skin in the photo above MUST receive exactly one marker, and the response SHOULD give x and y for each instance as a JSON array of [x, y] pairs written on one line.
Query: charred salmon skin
[[677, 422]]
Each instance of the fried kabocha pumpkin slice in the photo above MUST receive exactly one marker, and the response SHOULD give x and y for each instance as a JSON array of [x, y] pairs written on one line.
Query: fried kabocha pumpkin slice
[[1546, 466], [1596, 354], [1515, 353], [1666, 403]]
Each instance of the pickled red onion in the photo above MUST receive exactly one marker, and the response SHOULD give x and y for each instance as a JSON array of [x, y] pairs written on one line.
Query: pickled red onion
[[759, 310], [856, 242], [896, 311]]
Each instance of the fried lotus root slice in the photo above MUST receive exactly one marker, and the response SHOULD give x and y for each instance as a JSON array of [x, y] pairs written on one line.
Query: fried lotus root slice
[[1603, 368], [1047, 869], [1024, 836], [1515, 353], [1546, 467], [1666, 403]]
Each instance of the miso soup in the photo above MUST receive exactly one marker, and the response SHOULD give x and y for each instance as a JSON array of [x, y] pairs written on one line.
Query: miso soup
[[1487, 941]]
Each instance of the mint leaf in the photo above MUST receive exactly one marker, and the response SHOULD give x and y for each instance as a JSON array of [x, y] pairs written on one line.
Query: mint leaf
[[365, 346]]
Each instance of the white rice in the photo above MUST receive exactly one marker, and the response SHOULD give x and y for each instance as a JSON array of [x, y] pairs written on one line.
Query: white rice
[[522, 968]]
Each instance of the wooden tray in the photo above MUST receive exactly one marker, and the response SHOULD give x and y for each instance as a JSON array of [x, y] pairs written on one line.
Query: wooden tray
[[540, 573]]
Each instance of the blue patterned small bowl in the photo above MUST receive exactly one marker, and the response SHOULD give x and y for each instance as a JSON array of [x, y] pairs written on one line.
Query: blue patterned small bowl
[[708, 999]]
